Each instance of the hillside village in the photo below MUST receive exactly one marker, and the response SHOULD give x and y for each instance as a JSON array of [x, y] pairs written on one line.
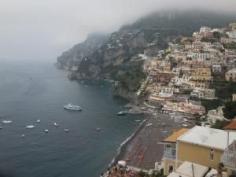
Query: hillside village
[[185, 78], [194, 80]]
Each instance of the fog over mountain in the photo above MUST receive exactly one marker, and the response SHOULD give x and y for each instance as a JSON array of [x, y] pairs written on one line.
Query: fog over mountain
[[33, 29]]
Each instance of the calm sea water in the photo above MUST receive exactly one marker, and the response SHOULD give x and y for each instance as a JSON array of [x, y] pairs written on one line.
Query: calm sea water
[[37, 90]]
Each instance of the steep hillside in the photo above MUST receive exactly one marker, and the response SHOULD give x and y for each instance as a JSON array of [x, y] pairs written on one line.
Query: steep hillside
[[120, 55]]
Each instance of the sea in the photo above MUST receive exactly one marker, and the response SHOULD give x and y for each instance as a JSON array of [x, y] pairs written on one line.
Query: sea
[[33, 91]]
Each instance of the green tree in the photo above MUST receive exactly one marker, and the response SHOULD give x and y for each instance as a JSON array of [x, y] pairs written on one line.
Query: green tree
[[230, 110]]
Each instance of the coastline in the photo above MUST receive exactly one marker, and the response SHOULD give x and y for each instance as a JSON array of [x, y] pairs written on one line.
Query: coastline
[[121, 149], [143, 149]]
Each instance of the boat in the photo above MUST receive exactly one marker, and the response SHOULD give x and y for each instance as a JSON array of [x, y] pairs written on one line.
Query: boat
[[72, 107], [6, 121], [38, 121], [46, 131], [149, 124], [122, 113], [55, 124], [66, 130], [98, 129], [30, 126]]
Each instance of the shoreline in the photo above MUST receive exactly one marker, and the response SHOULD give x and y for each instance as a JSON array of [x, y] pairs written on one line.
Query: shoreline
[[143, 148], [121, 149]]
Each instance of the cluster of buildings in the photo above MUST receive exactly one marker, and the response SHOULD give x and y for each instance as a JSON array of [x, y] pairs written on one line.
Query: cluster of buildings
[[178, 79], [186, 70], [184, 73]]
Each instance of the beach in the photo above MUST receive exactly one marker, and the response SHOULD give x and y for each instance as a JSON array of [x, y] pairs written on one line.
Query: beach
[[144, 148]]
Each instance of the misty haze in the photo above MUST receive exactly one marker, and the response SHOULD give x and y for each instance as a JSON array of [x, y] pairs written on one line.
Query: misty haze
[[118, 88]]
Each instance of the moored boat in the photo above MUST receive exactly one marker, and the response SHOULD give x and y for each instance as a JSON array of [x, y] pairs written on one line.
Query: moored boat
[[122, 113], [72, 107]]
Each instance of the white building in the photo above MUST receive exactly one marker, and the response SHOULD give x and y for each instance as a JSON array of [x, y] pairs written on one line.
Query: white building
[[216, 68], [232, 35], [203, 93], [231, 75], [215, 114]]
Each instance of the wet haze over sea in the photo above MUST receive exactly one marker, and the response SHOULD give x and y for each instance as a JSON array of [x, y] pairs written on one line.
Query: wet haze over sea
[[37, 90]]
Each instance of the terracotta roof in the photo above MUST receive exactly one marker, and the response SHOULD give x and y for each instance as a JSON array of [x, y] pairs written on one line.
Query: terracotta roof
[[231, 125], [175, 135]]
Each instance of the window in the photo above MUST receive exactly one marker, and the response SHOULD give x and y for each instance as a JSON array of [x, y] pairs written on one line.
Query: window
[[211, 154]]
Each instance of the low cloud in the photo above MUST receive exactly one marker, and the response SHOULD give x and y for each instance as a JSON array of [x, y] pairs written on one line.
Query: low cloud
[[43, 29]]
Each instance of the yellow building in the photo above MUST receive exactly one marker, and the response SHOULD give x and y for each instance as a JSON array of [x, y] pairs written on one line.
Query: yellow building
[[201, 74], [200, 145], [203, 145]]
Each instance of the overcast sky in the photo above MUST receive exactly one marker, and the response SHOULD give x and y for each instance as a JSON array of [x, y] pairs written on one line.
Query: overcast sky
[[42, 29]]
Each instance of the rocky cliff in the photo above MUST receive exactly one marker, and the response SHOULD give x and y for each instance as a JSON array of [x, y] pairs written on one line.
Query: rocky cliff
[[120, 55]]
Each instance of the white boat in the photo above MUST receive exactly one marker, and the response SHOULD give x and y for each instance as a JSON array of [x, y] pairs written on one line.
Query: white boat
[[122, 113], [149, 124], [6, 121], [38, 121], [30, 126], [72, 107], [98, 129], [66, 130], [55, 124], [46, 131]]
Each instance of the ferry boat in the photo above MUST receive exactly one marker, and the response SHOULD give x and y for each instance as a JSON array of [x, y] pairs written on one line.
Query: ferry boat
[[72, 107]]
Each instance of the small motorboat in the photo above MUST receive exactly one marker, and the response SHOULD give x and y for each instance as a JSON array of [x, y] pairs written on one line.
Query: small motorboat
[[149, 125], [55, 124], [30, 126], [38, 121], [66, 130], [98, 129], [122, 113], [6, 121], [46, 131], [72, 107]]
